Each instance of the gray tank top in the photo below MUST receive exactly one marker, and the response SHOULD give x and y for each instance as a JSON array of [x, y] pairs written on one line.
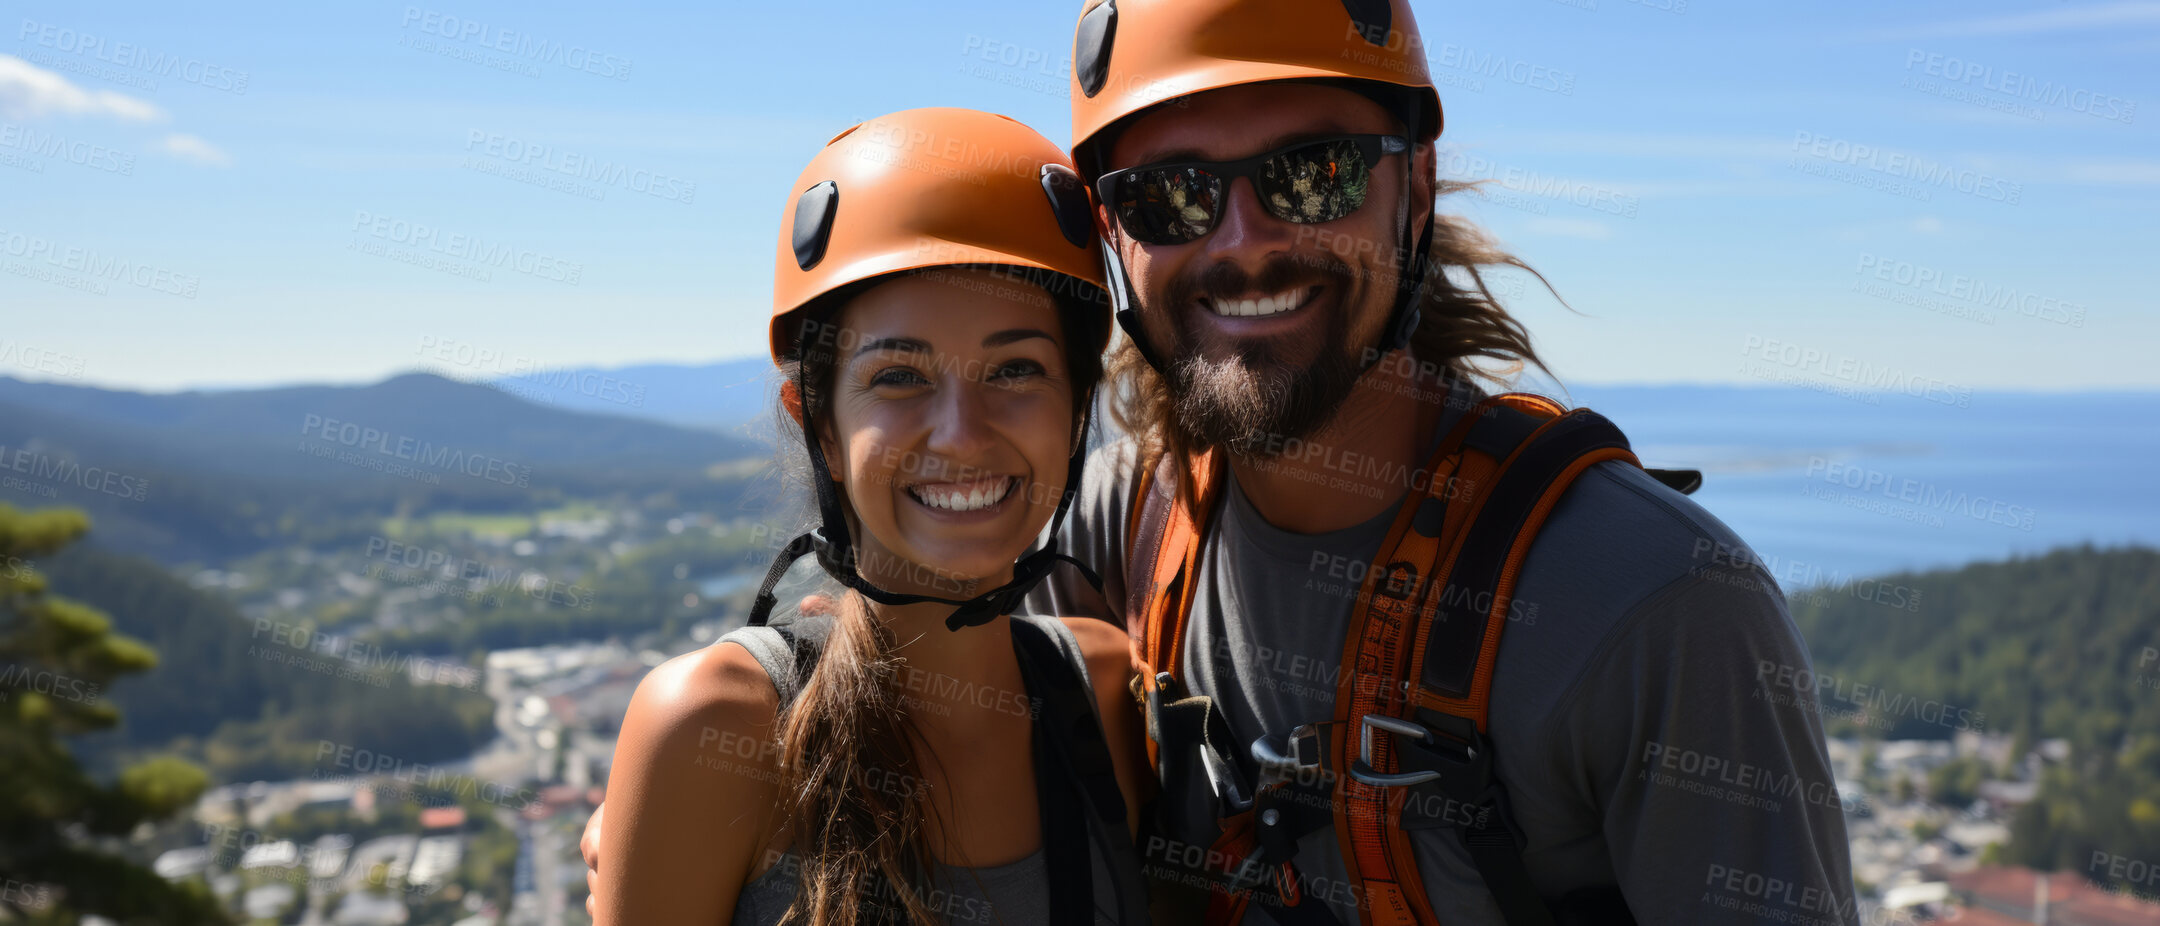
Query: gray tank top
[[1014, 893]]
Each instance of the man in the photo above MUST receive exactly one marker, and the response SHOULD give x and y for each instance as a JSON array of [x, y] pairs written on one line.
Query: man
[[1649, 769], [1283, 334]]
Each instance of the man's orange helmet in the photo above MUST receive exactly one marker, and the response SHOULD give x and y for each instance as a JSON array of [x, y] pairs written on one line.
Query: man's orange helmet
[[1130, 55], [928, 188], [1133, 55]]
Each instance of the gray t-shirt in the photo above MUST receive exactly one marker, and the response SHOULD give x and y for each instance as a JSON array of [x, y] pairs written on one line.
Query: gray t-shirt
[[1635, 716]]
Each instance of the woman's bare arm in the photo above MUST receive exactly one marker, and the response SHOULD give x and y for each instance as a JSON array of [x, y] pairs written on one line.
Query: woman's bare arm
[[692, 794]]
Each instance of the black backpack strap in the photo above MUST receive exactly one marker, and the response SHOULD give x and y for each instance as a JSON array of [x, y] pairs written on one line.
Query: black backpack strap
[[1075, 780], [1458, 631]]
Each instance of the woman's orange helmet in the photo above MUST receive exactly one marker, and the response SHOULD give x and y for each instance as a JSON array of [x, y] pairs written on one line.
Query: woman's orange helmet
[[909, 191], [929, 188]]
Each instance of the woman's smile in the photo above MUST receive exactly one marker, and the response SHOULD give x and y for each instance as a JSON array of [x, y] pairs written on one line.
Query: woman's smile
[[974, 500]]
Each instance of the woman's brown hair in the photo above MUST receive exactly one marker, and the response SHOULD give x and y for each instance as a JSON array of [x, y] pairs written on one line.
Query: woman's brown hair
[[863, 850]]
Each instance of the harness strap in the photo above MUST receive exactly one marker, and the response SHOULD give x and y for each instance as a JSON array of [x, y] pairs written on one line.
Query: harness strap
[[1397, 600], [1460, 648], [1159, 591], [1411, 708], [1076, 787]]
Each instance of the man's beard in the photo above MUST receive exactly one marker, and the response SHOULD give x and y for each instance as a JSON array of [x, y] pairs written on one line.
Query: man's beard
[[1255, 400]]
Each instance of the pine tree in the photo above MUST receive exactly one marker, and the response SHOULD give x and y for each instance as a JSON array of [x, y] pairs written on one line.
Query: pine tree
[[57, 658]]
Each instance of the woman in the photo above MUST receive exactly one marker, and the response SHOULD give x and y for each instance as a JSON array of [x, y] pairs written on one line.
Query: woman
[[913, 755]]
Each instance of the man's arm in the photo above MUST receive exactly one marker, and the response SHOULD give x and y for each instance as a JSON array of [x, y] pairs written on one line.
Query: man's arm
[[1714, 785]]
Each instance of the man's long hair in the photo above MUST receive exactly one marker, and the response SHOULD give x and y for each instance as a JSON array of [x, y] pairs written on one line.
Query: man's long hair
[[1461, 323]]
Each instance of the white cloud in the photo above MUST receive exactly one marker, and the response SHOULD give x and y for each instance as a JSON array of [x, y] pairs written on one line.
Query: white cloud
[[2105, 16], [27, 90], [191, 148]]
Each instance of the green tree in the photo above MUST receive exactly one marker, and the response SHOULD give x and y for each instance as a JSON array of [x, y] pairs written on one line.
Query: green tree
[[57, 658], [1957, 782]]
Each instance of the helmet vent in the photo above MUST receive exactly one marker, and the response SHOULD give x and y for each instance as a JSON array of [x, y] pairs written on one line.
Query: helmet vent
[[1091, 47], [1373, 19], [1068, 202], [813, 223]]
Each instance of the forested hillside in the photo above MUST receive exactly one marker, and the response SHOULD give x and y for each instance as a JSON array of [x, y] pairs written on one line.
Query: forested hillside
[[2062, 645], [230, 694]]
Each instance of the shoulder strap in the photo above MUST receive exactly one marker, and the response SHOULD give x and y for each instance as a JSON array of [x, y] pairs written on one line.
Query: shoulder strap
[[1515, 462], [1167, 534], [1153, 497], [785, 651], [1075, 779]]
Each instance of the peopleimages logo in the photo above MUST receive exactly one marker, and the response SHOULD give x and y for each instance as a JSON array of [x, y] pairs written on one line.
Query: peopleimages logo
[[1851, 370], [1920, 172], [93, 264], [469, 248], [44, 466], [128, 56], [462, 574], [2022, 87], [1974, 291], [519, 45], [1873, 699], [383, 443], [1924, 495], [431, 778]]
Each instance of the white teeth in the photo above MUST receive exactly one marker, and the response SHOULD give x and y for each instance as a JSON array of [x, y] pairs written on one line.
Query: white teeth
[[973, 496], [1280, 302]]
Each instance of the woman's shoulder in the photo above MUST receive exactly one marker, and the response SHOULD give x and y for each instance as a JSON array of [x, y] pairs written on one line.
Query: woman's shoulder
[[693, 792], [716, 703]]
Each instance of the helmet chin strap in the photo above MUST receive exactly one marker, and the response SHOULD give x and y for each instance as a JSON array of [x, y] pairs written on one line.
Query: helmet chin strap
[[837, 554], [1403, 320]]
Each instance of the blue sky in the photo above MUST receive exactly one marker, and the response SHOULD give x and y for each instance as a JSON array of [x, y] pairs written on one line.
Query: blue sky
[[1730, 192]]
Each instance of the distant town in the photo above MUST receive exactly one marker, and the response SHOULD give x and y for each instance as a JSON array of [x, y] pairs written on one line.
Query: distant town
[[491, 838]]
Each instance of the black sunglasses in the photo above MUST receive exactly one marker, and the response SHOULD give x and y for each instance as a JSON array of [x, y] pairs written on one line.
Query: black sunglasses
[[1318, 180]]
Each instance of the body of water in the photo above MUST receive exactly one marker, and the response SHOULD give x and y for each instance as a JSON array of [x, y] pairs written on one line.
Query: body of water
[[1828, 487]]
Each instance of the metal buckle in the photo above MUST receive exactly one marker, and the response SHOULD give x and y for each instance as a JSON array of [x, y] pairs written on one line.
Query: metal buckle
[[1289, 763], [1222, 779], [1363, 771]]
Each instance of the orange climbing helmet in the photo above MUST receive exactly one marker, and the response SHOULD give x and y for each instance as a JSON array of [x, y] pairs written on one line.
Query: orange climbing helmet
[[928, 188], [1131, 55], [913, 190]]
